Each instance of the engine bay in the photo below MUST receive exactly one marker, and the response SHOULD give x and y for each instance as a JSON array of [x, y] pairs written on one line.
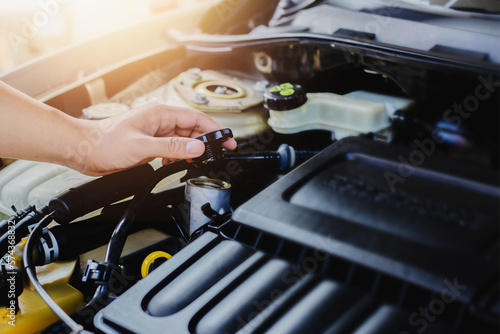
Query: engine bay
[[362, 197]]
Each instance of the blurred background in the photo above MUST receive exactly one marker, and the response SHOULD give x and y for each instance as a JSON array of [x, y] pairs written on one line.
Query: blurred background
[[32, 28]]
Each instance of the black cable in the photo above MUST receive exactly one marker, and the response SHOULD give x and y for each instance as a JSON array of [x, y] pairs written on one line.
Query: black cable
[[179, 228], [31, 272]]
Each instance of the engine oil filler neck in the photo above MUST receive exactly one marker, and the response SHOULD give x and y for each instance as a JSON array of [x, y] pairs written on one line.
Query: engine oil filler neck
[[200, 191]]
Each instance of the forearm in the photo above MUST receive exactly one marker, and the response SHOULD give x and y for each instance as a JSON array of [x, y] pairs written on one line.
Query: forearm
[[32, 130]]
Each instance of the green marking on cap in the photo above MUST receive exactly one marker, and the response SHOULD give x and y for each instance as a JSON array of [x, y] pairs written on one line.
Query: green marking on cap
[[298, 86], [286, 86], [275, 89], [287, 92]]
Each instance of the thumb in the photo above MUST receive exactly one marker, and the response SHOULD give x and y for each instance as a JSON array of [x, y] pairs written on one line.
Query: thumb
[[178, 147]]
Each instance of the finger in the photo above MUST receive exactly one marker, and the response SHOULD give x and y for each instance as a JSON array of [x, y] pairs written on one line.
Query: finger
[[188, 122], [230, 144], [175, 148], [192, 123]]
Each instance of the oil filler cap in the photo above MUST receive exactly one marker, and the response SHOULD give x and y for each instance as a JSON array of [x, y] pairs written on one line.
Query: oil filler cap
[[213, 146], [285, 96]]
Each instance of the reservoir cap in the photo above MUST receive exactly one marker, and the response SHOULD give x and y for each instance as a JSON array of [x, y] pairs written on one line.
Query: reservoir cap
[[285, 96]]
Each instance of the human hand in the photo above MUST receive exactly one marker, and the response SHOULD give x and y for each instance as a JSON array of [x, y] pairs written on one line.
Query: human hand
[[141, 135]]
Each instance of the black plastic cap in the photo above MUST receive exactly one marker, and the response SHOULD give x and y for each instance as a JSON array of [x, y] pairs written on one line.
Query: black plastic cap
[[222, 134], [213, 146], [284, 97]]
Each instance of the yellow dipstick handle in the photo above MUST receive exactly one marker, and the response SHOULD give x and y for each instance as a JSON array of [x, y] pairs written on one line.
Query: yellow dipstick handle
[[150, 259]]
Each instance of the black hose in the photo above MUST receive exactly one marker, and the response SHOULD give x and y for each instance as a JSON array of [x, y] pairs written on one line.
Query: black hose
[[120, 233], [98, 193], [31, 272], [14, 235], [17, 216], [286, 157]]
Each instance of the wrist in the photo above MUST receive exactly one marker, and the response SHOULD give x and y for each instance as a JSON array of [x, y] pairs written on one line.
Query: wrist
[[74, 147]]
